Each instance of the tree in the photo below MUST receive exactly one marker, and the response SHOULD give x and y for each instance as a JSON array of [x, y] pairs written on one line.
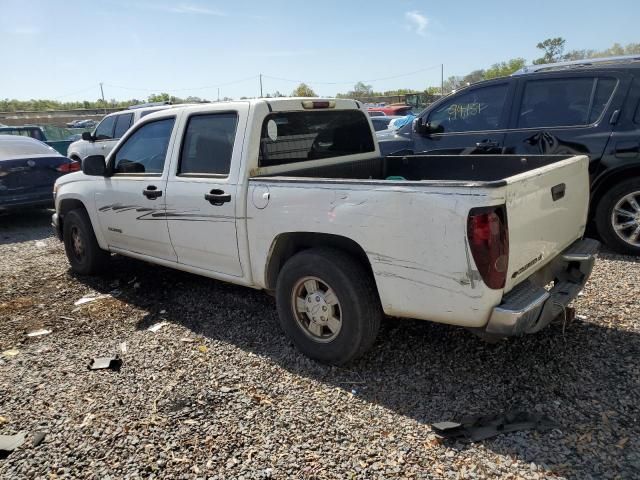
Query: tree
[[504, 69], [553, 49], [361, 89], [158, 97], [303, 90]]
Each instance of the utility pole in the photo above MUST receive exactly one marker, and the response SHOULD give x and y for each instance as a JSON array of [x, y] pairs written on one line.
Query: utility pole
[[218, 93], [103, 102], [442, 79], [260, 85]]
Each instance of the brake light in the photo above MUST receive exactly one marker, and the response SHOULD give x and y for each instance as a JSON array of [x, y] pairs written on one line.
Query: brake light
[[72, 166], [310, 104], [489, 242]]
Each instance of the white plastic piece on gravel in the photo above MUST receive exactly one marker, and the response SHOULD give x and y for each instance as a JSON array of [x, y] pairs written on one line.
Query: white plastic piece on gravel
[[40, 244], [38, 333], [11, 353], [157, 326], [89, 298], [581, 317], [123, 347]]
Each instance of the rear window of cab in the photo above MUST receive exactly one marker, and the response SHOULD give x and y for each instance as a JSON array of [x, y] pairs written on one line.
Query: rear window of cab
[[291, 137]]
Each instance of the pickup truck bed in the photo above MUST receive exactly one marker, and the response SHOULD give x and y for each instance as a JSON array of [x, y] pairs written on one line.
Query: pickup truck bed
[[410, 228]]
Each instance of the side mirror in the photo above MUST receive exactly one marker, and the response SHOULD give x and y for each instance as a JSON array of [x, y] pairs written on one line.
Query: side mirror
[[94, 165], [87, 136], [421, 126]]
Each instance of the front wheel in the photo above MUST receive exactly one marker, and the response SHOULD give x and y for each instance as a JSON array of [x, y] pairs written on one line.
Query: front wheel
[[80, 244], [328, 305], [618, 217]]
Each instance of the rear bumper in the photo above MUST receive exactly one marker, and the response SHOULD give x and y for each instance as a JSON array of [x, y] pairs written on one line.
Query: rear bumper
[[529, 307]]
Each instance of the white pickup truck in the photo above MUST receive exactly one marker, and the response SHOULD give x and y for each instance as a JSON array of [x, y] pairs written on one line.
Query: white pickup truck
[[292, 196]]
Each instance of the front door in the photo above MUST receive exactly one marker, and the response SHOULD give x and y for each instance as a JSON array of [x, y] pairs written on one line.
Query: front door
[[131, 203], [202, 207], [565, 115], [471, 121]]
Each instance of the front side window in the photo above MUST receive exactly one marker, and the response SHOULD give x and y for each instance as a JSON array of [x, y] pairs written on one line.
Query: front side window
[[145, 150], [477, 110], [104, 131], [208, 144], [290, 137], [563, 102], [123, 122]]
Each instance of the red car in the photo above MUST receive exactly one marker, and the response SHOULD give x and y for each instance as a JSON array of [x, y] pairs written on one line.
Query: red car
[[393, 109]]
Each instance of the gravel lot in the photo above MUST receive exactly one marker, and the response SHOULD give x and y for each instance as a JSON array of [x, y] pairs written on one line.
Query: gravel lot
[[219, 393]]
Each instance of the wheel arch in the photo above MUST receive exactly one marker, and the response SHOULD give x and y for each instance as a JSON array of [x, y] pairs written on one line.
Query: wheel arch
[[65, 205], [286, 245], [608, 180]]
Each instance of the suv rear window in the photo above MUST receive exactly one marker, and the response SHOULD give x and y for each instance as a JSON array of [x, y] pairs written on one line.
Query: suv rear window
[[291, 137], [563, 102]]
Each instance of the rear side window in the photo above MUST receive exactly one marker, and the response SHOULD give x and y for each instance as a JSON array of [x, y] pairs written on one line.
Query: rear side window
[[145, 150], [291, 137], [105, 128], [123, 123], [477, 110], [208, 144], [564, 102]]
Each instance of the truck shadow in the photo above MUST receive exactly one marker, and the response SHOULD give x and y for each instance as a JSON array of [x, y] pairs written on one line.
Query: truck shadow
[[431, 372]]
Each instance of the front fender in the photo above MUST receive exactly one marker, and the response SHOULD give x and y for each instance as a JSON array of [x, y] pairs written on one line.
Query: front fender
[[67, 201]]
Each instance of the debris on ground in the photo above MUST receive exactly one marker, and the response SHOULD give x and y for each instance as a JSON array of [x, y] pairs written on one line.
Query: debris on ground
[[11, 352], [8, 443], [102, 363], [92, 297], [157, 326], [38, 437], [38, 333], [40, 244], [480, 428]]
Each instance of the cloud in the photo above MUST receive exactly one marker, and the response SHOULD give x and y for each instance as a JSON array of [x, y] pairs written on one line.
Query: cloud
[[417, 22], [184, 8], [194, 9], [24, 30]]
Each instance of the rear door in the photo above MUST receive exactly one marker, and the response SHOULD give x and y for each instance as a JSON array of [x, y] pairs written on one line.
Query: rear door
[[202, 210], [472, 121], [546, 212], [560, 114]]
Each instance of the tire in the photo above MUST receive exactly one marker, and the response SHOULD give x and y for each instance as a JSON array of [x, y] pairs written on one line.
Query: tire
[[605, 217], [80, 244], [354, 306]]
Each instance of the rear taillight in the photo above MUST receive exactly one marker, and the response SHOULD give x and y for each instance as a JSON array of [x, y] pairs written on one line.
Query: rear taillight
[[489, 242], [310, 104], [72, 166]]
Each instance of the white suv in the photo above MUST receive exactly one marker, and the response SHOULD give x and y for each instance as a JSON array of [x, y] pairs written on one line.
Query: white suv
[[109, 131]]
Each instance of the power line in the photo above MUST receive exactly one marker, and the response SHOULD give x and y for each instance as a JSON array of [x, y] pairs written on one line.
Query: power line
[[353, 81], [233, 82], [75, 93]]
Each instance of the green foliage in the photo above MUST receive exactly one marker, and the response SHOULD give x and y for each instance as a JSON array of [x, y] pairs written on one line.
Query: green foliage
[[553, 49], [303, 90], [615, 49], [504, 69]]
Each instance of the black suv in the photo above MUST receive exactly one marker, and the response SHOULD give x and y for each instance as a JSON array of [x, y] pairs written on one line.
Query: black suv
[[585, 107]]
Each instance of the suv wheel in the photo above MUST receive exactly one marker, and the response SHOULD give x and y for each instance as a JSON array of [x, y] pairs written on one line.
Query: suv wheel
[[618, 217], [328, 305]]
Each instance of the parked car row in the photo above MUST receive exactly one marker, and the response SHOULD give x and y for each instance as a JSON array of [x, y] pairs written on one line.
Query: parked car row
[[590, 108]]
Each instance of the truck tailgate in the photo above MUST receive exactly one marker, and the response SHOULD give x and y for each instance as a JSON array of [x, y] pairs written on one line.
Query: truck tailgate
[[546, 212]]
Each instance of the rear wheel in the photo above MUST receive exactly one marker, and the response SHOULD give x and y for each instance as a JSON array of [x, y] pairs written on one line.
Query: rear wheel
[[618, 217], [80, 244], [328, 305]]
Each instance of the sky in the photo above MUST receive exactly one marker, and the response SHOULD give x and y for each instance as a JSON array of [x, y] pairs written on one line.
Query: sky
[[63, 49]]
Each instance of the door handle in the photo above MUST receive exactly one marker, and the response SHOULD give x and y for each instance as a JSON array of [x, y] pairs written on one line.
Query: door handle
[[152, 192], [217, 197], [487, 144]]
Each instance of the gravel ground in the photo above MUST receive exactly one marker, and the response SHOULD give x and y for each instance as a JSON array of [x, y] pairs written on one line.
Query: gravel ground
[[219, 393]]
